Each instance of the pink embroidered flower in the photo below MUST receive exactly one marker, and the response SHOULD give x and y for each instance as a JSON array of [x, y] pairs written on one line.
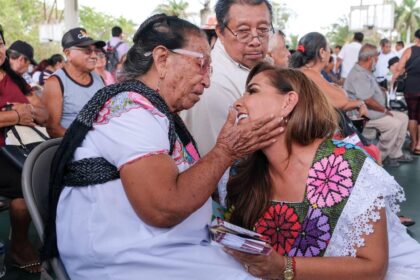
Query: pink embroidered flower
[[329, 181]]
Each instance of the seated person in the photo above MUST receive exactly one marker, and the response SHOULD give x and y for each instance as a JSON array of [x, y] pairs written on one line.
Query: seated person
[[392, 125], [145, 215], [327, 208]]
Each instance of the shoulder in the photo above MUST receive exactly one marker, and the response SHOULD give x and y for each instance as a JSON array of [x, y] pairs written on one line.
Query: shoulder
[[125, 102]]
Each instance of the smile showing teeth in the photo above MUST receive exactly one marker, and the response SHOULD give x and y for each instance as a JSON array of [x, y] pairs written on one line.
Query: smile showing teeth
[[240, 117]]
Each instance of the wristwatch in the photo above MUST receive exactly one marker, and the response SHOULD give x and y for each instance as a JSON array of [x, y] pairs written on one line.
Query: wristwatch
[[288, 273]]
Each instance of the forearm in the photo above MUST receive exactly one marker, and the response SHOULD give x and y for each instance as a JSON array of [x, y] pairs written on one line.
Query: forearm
[[352, 104], [197, 184], [8, 118], [40, 115], [56, 131], [341, 268]]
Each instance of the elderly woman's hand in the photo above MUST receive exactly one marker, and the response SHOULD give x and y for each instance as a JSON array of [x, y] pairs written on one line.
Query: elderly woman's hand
[[25, 113], [266, 267], [239, 140]]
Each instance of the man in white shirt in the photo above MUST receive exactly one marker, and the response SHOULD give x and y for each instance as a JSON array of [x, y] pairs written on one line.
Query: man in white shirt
[[243, 29], [381, 69], [348, 55]]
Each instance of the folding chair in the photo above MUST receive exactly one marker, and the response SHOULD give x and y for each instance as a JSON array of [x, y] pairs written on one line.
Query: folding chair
[[35, 181]]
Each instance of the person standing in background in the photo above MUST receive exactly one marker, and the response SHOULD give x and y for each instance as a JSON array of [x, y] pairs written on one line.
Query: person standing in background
[[348, 55]]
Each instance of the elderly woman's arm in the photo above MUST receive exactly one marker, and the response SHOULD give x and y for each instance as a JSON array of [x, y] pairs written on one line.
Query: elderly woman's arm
[[370, 263], [39, 112], [20, 114], [52, 98], [163, 197]]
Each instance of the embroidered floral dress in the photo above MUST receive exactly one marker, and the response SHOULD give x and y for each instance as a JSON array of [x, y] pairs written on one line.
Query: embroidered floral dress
[[305, 228], [344, 190], [99, 234]]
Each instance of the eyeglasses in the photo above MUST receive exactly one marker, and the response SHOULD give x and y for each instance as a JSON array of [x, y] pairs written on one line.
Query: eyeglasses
[[87, 51], [245, 36], [205, 60]]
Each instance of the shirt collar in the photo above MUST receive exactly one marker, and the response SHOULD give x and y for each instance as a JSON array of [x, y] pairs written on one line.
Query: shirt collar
[[220, 50]]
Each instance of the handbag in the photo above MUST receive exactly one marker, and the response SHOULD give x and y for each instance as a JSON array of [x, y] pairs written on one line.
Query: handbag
[[401, 80], [20, 141]]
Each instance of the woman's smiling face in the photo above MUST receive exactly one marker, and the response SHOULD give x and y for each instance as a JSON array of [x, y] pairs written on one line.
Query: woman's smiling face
[[260, 99]]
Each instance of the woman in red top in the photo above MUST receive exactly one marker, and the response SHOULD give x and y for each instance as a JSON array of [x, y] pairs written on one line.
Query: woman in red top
[[27, 109]]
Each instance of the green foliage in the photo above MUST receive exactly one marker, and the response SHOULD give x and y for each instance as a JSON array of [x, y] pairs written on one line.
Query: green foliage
[[407, 18], [339, 33], [174, 8], [281, 15], [294, 40], [21, 20], [99, 25]]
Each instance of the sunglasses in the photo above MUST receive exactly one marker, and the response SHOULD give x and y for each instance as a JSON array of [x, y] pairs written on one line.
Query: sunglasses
[[87, 51], [204, 60]]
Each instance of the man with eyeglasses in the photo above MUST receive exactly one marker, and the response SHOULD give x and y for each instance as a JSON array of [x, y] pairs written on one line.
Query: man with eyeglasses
[[70, 88], [243, 30]]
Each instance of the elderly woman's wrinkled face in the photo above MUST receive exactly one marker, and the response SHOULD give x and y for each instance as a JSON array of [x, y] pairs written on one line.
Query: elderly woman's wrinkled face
[[187, 74], [2, 51], [260, 99]]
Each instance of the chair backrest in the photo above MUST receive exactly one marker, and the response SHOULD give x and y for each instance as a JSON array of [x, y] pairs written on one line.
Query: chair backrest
[[35, 185]]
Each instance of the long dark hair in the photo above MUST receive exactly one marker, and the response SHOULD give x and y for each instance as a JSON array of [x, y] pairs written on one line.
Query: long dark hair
[[308, 49], [16, 78], [249, 191]]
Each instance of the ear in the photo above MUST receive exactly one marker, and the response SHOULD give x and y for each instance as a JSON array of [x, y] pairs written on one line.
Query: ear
[[220, 33], [292, 99], [160, 57]]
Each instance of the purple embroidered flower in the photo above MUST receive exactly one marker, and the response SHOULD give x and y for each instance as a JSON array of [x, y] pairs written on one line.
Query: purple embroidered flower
[[314, 236]]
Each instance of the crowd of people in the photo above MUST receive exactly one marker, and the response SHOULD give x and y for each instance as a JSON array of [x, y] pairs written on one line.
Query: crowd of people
[[185, 119]]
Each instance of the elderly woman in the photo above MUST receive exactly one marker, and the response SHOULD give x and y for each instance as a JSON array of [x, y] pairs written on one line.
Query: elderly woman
[[327, 208], [26, 109], [145, 213]]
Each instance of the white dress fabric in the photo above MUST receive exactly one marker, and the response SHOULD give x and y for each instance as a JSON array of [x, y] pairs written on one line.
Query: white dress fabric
[[99, 234], [375, 189]]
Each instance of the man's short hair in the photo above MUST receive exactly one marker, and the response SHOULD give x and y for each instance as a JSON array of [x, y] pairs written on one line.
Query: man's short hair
[[383, 42], [222, 9], [367, 51], [358, 36], [417, 33], [338, 47], [401, 43], [116, 31]]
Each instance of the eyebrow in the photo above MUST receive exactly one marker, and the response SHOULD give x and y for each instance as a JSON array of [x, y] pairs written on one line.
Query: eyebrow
[[251, 85]]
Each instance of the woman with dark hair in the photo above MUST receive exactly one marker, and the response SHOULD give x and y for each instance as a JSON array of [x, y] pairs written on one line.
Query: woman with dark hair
[[46, 67], [26, 109], [312, 196], [311, 57], [410, 63], [144, 214]]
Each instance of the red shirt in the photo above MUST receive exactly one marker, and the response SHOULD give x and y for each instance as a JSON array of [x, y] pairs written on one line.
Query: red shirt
[[10, 92]]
